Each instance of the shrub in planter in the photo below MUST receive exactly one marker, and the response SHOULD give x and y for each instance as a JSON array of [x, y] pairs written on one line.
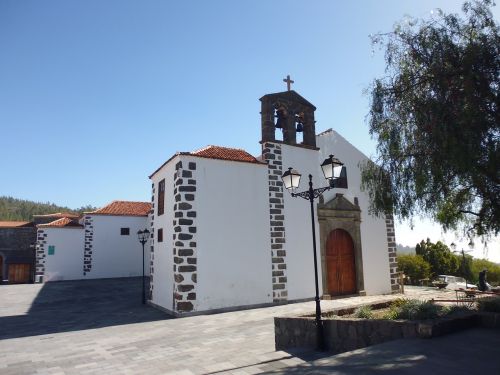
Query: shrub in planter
[[364, 312], [413, 309]]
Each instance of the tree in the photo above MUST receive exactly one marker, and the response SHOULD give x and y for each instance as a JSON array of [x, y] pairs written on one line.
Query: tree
[[435, 118], [493, 275], [414, 266], [441, 260]]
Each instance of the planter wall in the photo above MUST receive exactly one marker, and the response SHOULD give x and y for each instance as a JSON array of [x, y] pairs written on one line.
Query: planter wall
[[348, 334]]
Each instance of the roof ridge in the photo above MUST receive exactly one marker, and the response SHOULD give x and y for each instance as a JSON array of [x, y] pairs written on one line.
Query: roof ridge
[[226, 147]]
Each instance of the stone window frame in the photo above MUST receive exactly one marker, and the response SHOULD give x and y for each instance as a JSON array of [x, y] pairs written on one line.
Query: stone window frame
[[161, 197]]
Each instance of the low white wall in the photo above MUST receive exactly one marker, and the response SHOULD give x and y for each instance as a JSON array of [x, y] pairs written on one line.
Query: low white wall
[[373, 229], [116, 255], [163, 277], [67, 261], [233, 240]]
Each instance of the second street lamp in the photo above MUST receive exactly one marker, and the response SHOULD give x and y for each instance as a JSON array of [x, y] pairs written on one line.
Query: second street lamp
[[464, 262], [331, 168], [143, 236]]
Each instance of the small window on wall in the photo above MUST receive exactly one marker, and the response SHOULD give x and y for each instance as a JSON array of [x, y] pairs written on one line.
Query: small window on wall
[[52, 250], [161, 197], [160, 235], [125, 231]]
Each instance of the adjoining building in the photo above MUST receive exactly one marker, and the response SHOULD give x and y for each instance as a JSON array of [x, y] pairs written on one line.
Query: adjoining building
[[100, 244], [17, 252]]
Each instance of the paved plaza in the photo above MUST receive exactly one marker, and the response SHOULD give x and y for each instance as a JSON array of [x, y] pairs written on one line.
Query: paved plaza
[[100, 327]]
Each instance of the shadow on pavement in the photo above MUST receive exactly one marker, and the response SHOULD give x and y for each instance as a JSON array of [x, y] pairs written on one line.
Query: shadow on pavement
[[473, 351], [79, 305]]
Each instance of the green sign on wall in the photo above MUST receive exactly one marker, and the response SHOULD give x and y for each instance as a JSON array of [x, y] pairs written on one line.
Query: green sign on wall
[[52, 249]]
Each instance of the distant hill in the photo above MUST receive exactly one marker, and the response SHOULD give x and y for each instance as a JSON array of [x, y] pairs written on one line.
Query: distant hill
[[400, 249], [13, 209]]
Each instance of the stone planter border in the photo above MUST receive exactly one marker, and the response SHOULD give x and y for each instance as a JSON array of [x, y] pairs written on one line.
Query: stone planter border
[[347, 334]]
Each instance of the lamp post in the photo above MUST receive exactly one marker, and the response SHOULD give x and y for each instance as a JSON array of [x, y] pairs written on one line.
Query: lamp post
[[143, 236], [454, 247], [331, 168]]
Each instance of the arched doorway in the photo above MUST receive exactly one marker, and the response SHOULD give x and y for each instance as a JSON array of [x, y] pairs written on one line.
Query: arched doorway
[[340, 263]]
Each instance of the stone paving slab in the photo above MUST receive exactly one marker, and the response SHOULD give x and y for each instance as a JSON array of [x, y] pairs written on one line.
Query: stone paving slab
[[100, 327], [474, 351]]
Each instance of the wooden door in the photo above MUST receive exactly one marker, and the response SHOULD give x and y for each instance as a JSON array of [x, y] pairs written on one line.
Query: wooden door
[[340, 263], [19, 273]]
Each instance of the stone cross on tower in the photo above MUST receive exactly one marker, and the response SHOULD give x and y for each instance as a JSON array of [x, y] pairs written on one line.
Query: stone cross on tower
[[288, 82]]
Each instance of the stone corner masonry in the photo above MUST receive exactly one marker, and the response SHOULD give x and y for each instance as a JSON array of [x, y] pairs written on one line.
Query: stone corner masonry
[[272, 155], [391, 249], [184, 238]]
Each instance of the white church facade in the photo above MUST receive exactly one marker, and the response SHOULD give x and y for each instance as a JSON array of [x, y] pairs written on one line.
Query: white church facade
[[225, 234]]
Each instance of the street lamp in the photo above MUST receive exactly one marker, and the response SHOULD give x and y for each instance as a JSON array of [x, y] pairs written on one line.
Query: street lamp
[[454, 247], [143, 236], [331, 168]]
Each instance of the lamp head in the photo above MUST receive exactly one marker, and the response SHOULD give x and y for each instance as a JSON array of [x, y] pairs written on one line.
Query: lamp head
[[331, 167], [291, 179]]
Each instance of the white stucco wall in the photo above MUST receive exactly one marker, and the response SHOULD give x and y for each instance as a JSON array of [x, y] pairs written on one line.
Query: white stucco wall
[[298, 233], [67, 261], [163, 277], [233, 240], [113, 254], [373, 229]]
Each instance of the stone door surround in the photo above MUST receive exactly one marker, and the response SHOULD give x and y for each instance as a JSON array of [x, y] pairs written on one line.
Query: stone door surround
[[339, 213]]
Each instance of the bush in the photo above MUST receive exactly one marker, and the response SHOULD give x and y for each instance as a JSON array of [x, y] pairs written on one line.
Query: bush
[[414, 267], [489, 304], [413, 309], [364, 312]]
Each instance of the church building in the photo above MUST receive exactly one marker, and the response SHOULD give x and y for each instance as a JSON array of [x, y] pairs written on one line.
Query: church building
[[226, 234]]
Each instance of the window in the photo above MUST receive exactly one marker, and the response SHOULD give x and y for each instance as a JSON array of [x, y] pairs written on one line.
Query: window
[[125, 231], [52, 249], [161, 197], [160, 235]]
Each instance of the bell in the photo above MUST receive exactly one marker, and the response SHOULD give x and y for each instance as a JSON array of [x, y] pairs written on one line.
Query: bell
[[300, 127], [281, 118]]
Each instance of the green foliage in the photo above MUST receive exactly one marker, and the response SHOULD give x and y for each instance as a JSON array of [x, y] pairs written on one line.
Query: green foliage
[[493, 275], [465, 267], [489, 304], [23, 210], [413, 309], [364, 312], [441, 260], [435, 117], [414, 267]]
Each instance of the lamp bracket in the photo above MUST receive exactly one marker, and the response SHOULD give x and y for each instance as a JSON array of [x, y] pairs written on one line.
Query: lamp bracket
[[315, 193]]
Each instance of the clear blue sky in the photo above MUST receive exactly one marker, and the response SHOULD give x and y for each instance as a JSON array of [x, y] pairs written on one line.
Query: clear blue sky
[[95, 95]]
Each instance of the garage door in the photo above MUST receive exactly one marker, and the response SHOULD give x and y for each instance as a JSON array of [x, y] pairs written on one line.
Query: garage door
[[19, 273]]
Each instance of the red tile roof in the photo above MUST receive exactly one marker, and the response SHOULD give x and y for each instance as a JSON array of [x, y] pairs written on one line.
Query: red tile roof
[[59, 215], [225, 153], [217, 152], [64, 222], [124, 208], [14, 224]]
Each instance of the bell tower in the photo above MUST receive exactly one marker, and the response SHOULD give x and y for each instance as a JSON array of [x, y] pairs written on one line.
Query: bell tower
[[290, 113]]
